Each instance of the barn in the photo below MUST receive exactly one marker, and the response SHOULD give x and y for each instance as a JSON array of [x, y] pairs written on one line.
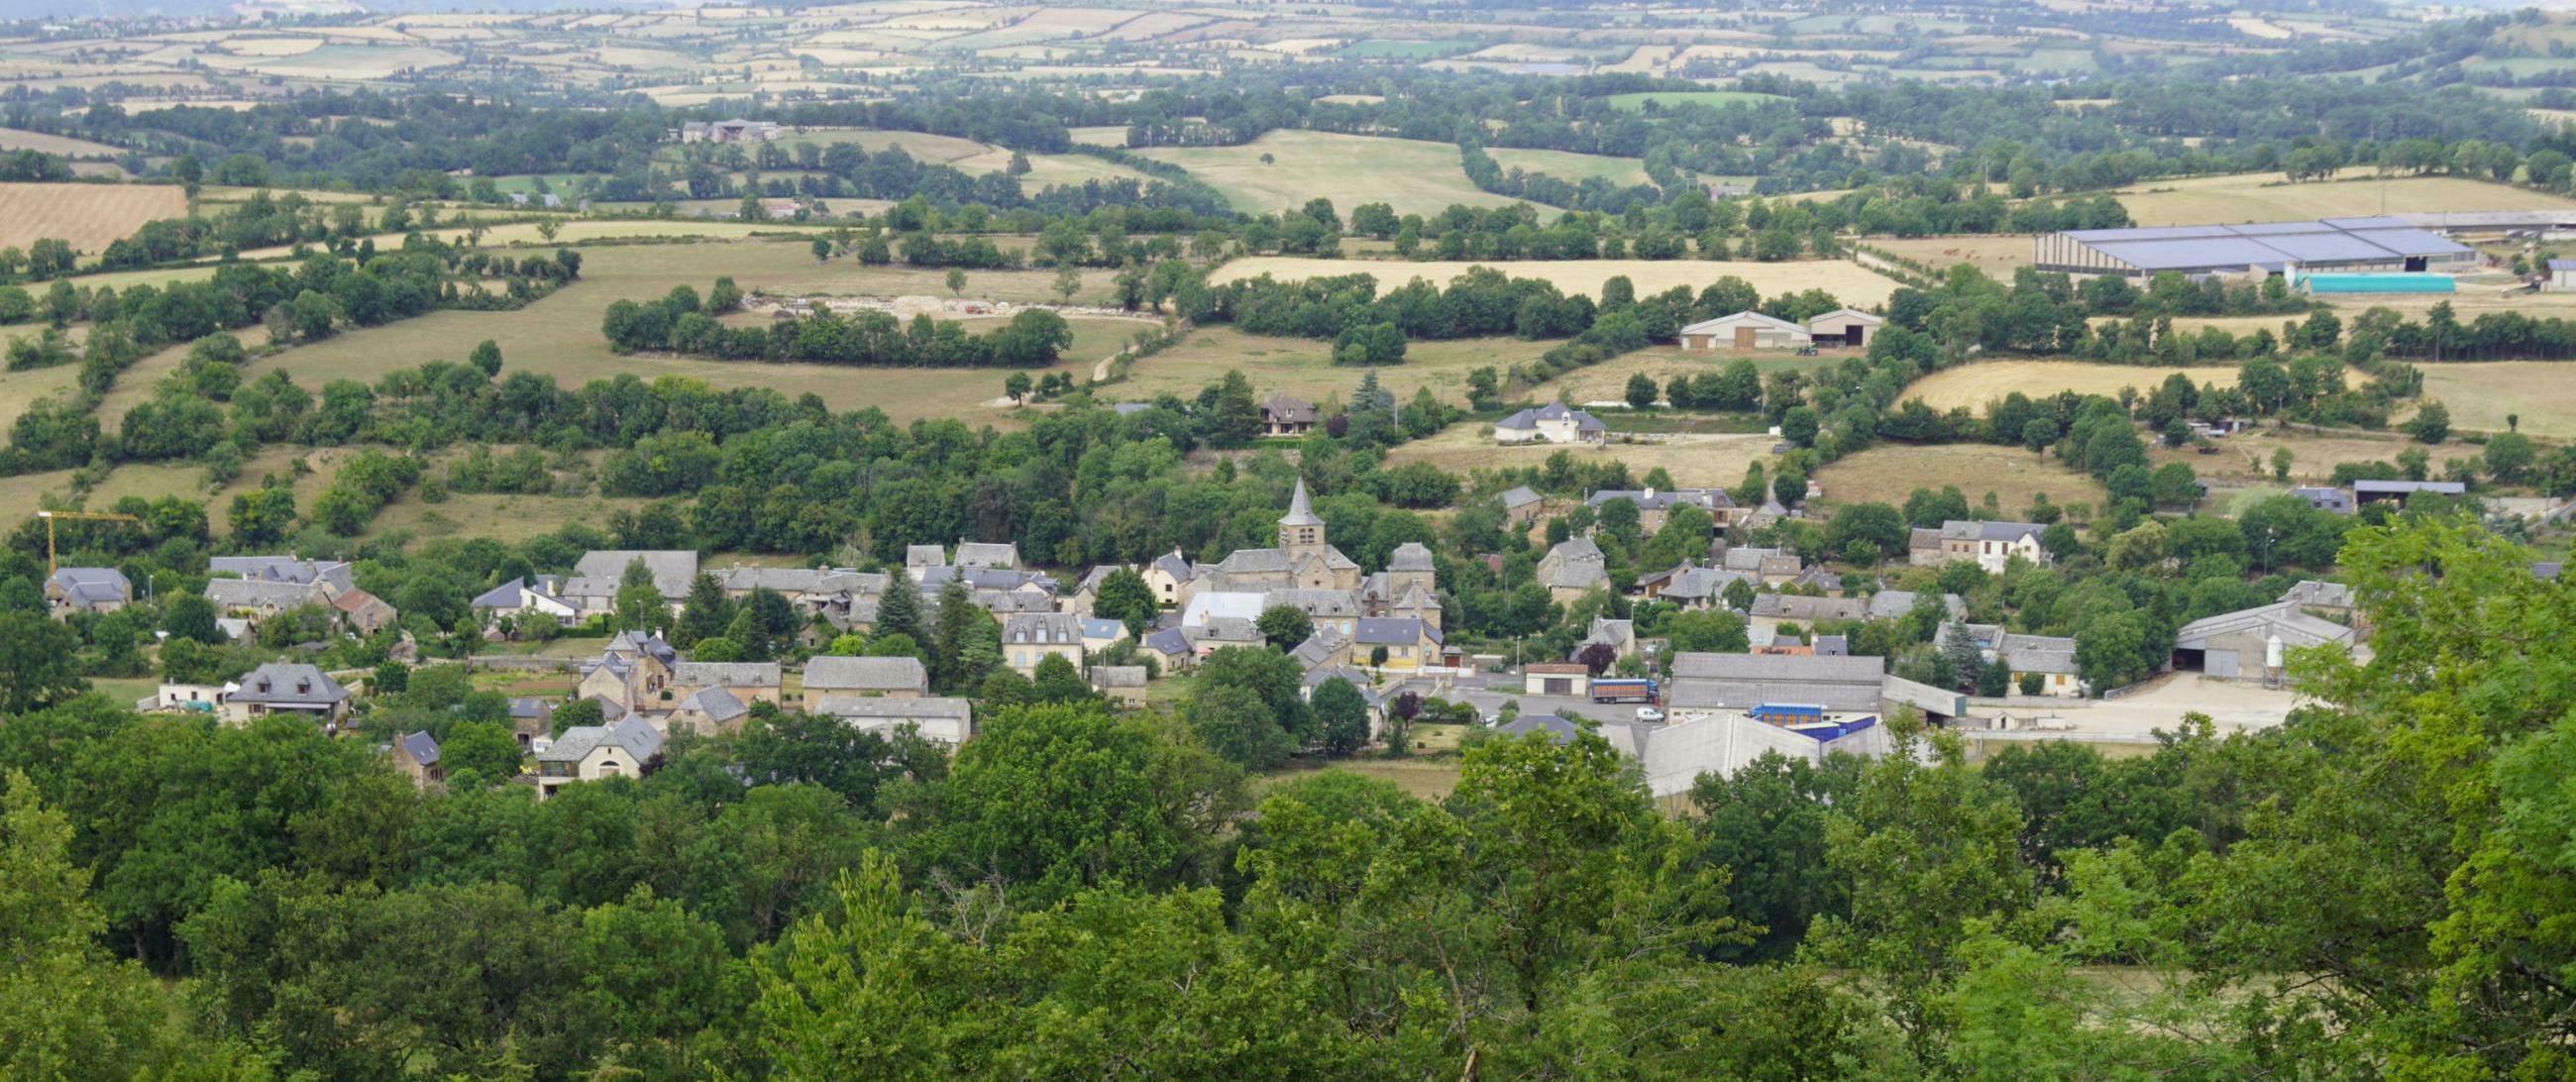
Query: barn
[[1744, 330], [2326, 244], [1849, 327], [2247, 644]]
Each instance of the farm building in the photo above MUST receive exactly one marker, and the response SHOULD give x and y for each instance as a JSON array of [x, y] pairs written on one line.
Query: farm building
[[2375, 283], [1744, 330], [1845, 327], [2562, 276], [2248, 643], [2330, 244], [2369, 492]]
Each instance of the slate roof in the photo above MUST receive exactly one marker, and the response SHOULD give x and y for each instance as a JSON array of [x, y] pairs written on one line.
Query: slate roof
[[288, 684], [1895, 604], [1042, 629], [420, 748], [1652, 499], [728, 674], [1553, 411], [288, 568], [1169, 642], [1324, 645], [1394, 631], [1301, 510], [1410, 556], [1003, 554], [1805, 609], [1557, 729], [2039, 654], [862, 706], [1971, 530], [258, 593], [1325, 603], [865, 674], [1519, 496], [1281, 409], [1227, 631], [1173, 564], [93, 585], [716, 703], [630, 734], [925, 556], [672, 569], [1101, 627]]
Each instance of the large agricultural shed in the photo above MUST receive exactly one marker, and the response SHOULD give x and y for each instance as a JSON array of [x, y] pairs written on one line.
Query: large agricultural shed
[[2329, 244]]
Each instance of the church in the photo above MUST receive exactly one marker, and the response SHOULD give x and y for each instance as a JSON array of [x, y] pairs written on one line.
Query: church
[[1302, 561]]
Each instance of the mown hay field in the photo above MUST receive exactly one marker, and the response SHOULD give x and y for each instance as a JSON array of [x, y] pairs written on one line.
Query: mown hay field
[[1889, 474], [1413, 176], [2266, 197], [1850, 283], [90, 216], [15, 139], [1974, 385]]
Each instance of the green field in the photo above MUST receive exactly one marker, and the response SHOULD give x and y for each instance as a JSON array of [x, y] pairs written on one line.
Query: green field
[[1413, 176], [1668, 99]]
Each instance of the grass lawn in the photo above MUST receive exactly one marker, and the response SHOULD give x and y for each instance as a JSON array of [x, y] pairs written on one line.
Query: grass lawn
[[1694, 460], [1304, 367], [1889, 474], [1669, 99], [559, 336], [1974, 385], [1413, 176]]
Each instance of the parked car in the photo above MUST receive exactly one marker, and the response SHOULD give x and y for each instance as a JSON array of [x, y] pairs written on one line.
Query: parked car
[[1648, 713]]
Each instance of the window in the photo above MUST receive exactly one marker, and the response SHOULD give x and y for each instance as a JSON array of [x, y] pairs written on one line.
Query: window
[[608, 768]]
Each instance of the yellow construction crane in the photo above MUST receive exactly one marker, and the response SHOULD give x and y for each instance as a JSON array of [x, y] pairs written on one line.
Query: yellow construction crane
[[94, 516]]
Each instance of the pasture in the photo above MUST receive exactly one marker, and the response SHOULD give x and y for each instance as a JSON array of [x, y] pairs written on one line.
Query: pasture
[[1974, 385], [1890, 474], [1694, 460], [2246, 457], [90, 216], [2263, 197], [1850, 283], [1573, 168], [2480, 396], [1413, 176], [1304, 367]]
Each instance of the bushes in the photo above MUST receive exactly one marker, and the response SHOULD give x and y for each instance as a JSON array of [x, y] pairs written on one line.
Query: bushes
[[1032, 338]]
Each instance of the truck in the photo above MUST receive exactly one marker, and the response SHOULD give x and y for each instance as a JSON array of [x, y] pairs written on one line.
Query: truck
[[1787, 713], [1622, 690]]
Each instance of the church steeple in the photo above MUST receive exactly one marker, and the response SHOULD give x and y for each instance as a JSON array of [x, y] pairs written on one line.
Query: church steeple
[[1300, 532]]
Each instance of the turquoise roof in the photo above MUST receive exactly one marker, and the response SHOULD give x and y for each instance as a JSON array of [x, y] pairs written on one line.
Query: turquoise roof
[[2377, 283]]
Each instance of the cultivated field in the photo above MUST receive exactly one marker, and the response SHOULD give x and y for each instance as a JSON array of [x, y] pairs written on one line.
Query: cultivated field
[[90, 216], [1304, 367], [1413, 176], [2480, 396], [1849, 282], [2260, 197], [1699, 460], [1974, 385], [1890, 474]]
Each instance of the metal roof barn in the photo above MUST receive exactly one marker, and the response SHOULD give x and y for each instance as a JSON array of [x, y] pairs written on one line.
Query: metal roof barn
[[2328, 244]]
